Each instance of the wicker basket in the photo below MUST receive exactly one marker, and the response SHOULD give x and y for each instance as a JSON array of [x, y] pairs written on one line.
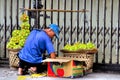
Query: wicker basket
[[88, 58], [90, 51], [13, 58]]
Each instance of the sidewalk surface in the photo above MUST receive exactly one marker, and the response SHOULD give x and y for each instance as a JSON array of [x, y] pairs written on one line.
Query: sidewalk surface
[[7, 74]]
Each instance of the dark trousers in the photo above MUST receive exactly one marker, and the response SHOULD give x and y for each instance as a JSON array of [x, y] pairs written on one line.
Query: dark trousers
[[26, 65]]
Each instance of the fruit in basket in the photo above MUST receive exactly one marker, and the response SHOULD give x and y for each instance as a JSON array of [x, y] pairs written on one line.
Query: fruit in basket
[[67, 47], [19, 36], [24, 33], [73, 48], [15, 33], [22, 42], [15, 39], [79, 46], [19, 40], [24, 17], [25, 25], [17, 47], [82, 46], [90, 45], [10, 45]]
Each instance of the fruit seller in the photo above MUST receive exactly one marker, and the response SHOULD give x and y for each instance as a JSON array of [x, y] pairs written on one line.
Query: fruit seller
[[36, 44]]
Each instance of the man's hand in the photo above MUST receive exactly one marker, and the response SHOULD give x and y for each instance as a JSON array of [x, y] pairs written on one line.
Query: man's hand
[[53, 55]]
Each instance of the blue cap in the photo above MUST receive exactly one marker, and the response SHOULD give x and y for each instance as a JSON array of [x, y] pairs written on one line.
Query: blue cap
[[55, 29]]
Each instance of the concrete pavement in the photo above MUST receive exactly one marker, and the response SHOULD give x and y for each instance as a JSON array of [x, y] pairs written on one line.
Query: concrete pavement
[[7, 74]]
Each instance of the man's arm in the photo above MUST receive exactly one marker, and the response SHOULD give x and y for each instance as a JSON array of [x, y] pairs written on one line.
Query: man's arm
[[53, 55]]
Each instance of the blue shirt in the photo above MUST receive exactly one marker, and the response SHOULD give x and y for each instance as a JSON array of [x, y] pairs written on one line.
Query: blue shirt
[[36, 44]]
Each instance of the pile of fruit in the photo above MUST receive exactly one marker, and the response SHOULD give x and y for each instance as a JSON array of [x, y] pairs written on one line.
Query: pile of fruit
[[19, 36], [79, 46]]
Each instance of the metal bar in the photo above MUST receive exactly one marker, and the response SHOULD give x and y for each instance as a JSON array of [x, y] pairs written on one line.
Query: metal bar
[[58, 19], [5, 22], [55, 10], [71, 14], [11, 22], [97, 28], [29, 8], [45, 1], [90, 29], [0, 39], [23, 3], [36, 2], [17, 11], [111, 28], [35, 21], [58, 14], [117, 49], [84, 22], [37, 15], [37, 5], [103, 61], [64, 29], [51, 12], [78, 20]]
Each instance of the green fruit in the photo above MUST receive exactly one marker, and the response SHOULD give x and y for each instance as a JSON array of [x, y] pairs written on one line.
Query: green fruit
[[19, 36], [10, 45], [24, 33], [15, 39], [17, 47], [82, 46], [15, 33], [24, 17], [22, 42], [90, 45], [25, 25], [67, 46]]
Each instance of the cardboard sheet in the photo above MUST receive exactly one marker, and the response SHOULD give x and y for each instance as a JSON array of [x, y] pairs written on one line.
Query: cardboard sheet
[[56, 60]]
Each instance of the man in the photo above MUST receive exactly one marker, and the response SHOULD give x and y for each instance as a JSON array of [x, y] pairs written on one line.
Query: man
[[36, 44]]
